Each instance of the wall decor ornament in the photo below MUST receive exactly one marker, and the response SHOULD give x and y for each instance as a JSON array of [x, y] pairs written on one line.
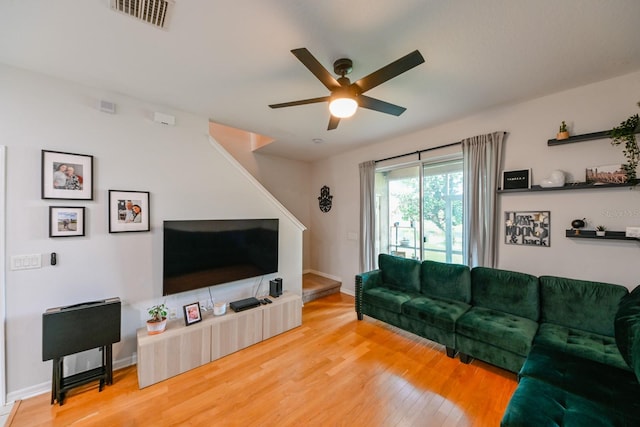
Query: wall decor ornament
[[608, 174], [128, 211], [556, 179], [516, 179], [66, 221], [66, 176], [325, 199], [531, 228]]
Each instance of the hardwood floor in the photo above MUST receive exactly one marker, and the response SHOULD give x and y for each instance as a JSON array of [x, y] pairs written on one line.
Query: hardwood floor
[[331, 371]]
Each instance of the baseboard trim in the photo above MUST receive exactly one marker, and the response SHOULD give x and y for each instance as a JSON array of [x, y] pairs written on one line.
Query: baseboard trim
[[348, 292], [45, 387], [328, 276]]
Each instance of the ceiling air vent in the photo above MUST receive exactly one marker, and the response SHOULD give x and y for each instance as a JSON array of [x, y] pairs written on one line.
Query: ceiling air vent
[[154, 12]]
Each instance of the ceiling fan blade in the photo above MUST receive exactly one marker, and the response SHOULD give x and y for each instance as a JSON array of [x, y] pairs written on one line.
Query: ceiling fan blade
[[316, 68], [333, 122], [381, 106], [301, 102], [390, 71]]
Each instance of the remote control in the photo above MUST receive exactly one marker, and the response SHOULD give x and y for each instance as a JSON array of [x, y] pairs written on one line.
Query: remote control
[[263, 302], [267, 300]]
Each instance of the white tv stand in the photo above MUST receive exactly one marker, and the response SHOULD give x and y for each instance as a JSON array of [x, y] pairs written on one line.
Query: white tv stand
[[181, 348]]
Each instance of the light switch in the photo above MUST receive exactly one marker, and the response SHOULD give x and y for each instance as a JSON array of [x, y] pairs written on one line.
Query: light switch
[[26, 262]]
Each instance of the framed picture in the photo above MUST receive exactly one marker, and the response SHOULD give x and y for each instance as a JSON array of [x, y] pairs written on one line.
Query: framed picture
[[192, 313], [128, 211], [67, 176], [66, 221], [528, 228], [609, 174], [516, 179]]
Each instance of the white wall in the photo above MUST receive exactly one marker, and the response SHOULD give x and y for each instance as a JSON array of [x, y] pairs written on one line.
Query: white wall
[[288, 180], [186, 175], [530, 124]]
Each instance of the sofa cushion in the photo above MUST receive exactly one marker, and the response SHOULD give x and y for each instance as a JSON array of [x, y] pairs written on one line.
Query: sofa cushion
[[627, 330], [539, 404], [401, 273], [578, 343], [442, 280], [580, 304], [505, 291], [500, 329], [440, 313], [386, 298], [613, 387]]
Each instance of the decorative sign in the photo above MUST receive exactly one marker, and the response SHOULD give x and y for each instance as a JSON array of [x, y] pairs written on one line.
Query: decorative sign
[[516, 179], [528, 228], [325, 199]]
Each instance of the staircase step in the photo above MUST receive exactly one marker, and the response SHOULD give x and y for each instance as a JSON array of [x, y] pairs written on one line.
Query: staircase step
[[315, 286]]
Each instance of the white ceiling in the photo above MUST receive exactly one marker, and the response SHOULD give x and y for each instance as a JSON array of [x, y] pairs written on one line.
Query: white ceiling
[[227, 60]]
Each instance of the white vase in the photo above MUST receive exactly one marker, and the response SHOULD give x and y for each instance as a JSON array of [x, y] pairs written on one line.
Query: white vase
[[600, 233]]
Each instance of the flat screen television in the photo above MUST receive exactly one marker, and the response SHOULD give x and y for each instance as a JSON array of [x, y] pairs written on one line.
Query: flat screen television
[[202, 253]]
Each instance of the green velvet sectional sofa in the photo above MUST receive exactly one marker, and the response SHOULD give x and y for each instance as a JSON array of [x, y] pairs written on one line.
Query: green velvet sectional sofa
[[575, 344]]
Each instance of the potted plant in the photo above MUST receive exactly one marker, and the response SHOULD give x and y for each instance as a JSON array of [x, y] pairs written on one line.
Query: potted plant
[[563, 133], [601, 230], [625, 133], [157, 322]]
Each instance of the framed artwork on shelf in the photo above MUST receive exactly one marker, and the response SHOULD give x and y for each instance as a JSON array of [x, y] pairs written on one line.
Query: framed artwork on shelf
[[516, 179], [67, 176], [530, 228], [66, 221], [609, 174], [128, 211], [192, 313]]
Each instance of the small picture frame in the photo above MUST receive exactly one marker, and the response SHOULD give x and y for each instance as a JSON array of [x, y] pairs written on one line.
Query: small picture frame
[[66, 221], [516, 179], [608, 174], [192, 313], [128, 211], [66, 176]]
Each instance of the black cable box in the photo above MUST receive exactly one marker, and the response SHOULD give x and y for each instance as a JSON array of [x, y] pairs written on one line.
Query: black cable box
[[244, 304]]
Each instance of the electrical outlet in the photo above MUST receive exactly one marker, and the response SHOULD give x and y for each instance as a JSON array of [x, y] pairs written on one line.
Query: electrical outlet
[[173, 313]]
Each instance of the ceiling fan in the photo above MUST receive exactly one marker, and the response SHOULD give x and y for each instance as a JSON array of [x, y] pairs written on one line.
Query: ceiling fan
[[345, 96]]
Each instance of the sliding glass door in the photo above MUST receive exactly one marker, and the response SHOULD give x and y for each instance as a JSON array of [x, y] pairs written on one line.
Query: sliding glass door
[[419, 211], [442, 212]]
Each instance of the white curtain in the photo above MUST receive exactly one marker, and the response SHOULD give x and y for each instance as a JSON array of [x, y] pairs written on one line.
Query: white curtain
[[367, 216], [482, 158]]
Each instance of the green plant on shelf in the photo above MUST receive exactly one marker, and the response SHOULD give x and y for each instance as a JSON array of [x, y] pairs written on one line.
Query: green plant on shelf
[[563, 127], [625, 134], [158, 312]]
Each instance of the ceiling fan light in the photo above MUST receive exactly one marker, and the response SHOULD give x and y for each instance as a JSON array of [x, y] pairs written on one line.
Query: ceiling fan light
[[343, 107]]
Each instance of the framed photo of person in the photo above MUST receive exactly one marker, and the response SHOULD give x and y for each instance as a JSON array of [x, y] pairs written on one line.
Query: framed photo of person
[[128, 211], [66, 221], [192, 313], [67, 176]]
